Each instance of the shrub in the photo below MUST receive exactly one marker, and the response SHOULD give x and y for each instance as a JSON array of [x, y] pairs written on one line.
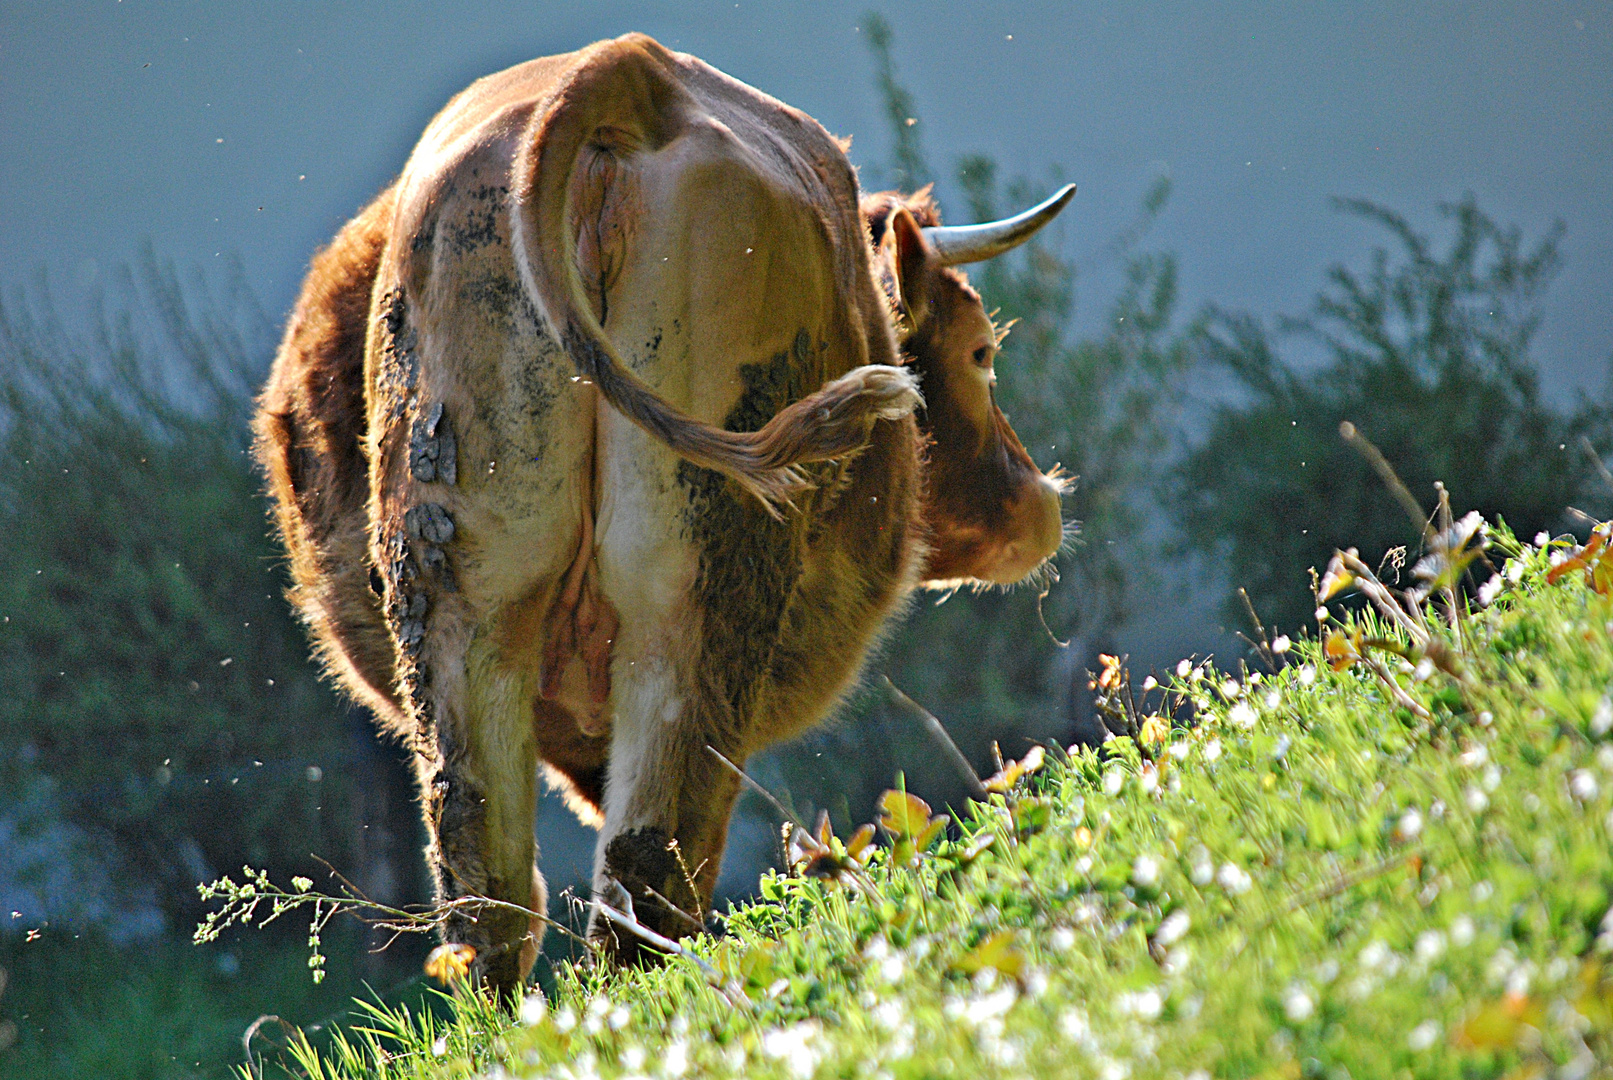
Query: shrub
[[152, 669], [1427, 353]]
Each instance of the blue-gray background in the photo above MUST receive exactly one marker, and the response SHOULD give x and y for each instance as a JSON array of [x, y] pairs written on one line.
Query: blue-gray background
[[253, 130]]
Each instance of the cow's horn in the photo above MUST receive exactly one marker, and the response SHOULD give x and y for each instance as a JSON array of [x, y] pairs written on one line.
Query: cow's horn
[[957, 244]]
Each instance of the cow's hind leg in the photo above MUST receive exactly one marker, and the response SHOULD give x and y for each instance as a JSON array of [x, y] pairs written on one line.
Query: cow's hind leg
[[478, 777], [667, 803]]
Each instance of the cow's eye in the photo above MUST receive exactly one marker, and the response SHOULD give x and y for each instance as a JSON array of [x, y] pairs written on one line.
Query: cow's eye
[[983, 356]]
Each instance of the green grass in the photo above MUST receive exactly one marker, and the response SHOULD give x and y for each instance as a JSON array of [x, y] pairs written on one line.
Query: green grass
[[1311, 882]]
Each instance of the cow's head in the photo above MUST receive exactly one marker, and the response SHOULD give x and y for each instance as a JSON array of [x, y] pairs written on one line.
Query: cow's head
[[993, 516]]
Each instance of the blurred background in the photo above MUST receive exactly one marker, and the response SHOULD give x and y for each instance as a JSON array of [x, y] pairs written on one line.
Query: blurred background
[[1288, 216]]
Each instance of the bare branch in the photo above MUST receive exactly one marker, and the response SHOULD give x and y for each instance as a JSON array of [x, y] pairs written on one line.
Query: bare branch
[[933, 726]]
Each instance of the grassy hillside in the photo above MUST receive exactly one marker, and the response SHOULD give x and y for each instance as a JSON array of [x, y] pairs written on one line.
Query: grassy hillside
[[1365, 864]]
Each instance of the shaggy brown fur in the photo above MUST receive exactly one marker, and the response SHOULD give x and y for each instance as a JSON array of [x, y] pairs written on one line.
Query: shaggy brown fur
[[380, 433]]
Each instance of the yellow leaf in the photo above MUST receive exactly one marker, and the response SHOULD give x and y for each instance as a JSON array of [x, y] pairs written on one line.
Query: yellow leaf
[[861, 843], [449, 962], [1012, 771], [1341, 651], [924, 839], [1154, 730], [1335, 581], [903, 814], [1499, 1025], [1109, 678], [997, 951]]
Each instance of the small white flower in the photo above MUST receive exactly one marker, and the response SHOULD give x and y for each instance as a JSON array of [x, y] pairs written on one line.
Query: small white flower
[[1180, 750], [794, 1045], [1242, 715], [1280, 644], [1462, 931], [1482, 891], [1490, 590], [619, 1017], [1514, 570], [1063, 939], [1423, 1035], [1203, 871], [1410, 825], [1073, 1023], [565, 1019], [1110, 1069], [1327, 971], [1377, 956], [533, 1009], [1602, 718], [1582, 785], [675, 1059], [1477, 801], [1148, 780], [1604, 757], [1430, 946], [1183, 668], [1423, 671], [1234, 879], [991, 1006], [1174, 928], [633, 1058], [1145, 871], [1113, 781], [1542, 538], [1322, 613], [1212, 749], [1280, 751], [1492, 777], [1297, 1005], [439, 1048], [1307, 675], [1273, 700], [890, 968], [1149, 683], [1230, 689], [1486, 718], [1145, 1004], [1474, 756]]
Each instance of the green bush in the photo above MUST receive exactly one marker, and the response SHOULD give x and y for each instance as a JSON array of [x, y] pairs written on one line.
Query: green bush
[[1427, 352], [152, 670]]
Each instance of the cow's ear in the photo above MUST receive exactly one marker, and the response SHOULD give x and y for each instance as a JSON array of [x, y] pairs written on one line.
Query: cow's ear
[[913, 262]]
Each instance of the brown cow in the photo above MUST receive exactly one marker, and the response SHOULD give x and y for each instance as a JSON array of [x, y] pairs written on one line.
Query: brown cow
[[512, 563]]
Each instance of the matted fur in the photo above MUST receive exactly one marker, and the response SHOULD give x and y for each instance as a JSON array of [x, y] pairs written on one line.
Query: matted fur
[[397, 553]]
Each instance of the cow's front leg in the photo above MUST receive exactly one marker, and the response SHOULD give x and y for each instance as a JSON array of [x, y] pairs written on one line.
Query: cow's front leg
[[477, 770], [667, 804]]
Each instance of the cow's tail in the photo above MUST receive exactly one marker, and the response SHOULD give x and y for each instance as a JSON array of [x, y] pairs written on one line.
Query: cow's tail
[[627, 88]]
